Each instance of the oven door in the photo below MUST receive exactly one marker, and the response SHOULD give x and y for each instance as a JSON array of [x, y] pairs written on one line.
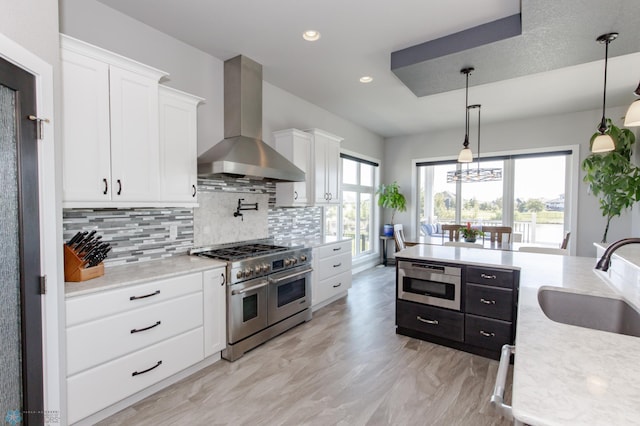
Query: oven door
[[289, 293], [246, 309], [434, 285]]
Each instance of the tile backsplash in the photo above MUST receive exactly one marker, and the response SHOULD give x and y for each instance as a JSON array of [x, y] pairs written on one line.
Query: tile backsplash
[[144, 234]]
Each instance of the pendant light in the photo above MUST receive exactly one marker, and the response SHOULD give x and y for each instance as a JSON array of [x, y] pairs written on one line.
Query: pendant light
[[466, 156], [632, 118], [604, 142]]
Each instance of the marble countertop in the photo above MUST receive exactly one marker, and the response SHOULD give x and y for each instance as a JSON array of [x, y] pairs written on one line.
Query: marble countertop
[[563, 374], [315, 241], [140, 272]]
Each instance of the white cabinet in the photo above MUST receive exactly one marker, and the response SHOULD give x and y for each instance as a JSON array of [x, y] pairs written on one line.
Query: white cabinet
[[178, 145], [110, 148], [124, 340], [326, 161], [295, 145], [331, 277], [215, 311]]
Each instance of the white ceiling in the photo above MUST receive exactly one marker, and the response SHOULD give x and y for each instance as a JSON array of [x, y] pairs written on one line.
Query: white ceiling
[[358, 37]]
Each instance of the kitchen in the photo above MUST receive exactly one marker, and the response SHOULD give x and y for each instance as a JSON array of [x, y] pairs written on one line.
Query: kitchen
[[151, 47]]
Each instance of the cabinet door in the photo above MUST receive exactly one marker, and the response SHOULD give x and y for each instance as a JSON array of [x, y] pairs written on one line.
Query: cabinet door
[[215, 312], [86, 159], [178, 145], [295, 145], [320, 164], [134, 136], [332, 162]]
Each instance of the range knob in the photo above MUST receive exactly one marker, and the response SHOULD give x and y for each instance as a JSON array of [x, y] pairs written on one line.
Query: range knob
[[248, 272], [239, 274], [265, 267], [303, 258], [287, 262], [294, 260]]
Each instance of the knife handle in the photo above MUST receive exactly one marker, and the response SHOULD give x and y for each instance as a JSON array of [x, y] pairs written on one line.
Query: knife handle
[[106, 186]]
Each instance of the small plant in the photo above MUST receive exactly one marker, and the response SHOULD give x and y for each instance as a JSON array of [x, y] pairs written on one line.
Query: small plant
[[469, 233], [612, 177], [391, 198]]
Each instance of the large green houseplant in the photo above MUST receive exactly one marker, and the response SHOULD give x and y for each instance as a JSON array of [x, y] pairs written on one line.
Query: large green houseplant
[[612, 177], [389, 196]]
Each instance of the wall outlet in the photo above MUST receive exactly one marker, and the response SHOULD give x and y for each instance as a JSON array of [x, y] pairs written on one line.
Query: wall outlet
[[173, 232]]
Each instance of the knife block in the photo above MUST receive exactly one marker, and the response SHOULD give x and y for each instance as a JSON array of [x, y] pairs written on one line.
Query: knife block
[[73, 270]]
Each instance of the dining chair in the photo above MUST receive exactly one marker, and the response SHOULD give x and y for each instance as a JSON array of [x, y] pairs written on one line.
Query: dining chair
[[398, 235], [496, 233], [546, 250], [452, 230], [462, 244]]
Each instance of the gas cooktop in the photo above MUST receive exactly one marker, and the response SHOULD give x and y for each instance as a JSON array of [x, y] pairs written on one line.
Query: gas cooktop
[[242, 251]]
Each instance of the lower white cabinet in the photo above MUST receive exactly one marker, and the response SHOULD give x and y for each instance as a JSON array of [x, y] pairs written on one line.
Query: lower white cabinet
[[331, 278], [124, 340]]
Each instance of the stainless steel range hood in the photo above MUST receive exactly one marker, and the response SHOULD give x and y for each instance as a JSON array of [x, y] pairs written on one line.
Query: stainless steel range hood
[[242, 151]]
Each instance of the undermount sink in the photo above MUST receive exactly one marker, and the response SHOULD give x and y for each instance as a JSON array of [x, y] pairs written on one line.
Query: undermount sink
[[595, 312]]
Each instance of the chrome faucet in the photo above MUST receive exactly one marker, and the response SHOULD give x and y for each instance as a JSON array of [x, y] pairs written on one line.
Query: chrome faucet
[[605, 261]]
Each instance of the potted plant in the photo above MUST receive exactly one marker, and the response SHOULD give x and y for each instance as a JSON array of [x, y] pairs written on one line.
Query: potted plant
[[470, 234], [389, 196], [612, 177]]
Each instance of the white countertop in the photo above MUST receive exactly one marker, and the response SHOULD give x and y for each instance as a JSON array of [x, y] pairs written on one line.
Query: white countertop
[[563, 374], [140, 272]]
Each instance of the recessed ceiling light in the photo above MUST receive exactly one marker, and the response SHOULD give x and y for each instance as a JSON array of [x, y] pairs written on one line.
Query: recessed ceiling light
[[366, 79], [311, 35]]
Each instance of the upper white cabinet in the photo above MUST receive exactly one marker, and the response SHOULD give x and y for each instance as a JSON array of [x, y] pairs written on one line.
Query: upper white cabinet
[[178, 145], [296, 146], [110, 128], [326, 160]]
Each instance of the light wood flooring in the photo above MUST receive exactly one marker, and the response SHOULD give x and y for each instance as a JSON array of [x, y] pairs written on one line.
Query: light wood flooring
[[344, 367]]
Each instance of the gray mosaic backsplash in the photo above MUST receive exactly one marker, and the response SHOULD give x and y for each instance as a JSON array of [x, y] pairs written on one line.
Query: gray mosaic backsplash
[[138, 235]]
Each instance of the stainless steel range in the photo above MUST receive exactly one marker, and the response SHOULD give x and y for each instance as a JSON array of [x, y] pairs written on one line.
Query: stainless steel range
[[268, 292]]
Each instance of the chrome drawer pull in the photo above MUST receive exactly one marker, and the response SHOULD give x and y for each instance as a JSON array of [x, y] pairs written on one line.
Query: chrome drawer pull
[[138, 330], [135, 373], [485, 334], [339, 264], [497, 399], [435, 322], [145, 296], [337, 285], [487, 302], [337, 248], [488, 277]]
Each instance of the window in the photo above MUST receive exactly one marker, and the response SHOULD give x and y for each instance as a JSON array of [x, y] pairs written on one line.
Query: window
[[358, 195], [529, 197]]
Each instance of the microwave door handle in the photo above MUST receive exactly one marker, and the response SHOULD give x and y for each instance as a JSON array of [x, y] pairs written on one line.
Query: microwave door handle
[[286, 277], [248, 289]]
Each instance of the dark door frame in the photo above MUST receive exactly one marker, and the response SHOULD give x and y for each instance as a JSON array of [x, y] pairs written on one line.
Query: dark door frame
[[24, 84]]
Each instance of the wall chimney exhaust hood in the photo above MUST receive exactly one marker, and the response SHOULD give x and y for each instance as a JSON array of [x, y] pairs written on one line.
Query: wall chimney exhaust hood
[[242, 153]]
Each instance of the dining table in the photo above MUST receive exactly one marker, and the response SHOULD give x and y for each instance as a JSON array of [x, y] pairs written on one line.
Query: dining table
[[480, 242]]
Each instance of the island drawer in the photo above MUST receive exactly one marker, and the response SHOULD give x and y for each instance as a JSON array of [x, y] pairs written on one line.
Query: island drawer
[[426, 319], [491, 277], [487, 333], [490, 302]]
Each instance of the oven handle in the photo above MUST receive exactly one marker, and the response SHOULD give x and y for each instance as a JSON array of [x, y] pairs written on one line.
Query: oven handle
[[286, 277], [497, 399], [248, 289]]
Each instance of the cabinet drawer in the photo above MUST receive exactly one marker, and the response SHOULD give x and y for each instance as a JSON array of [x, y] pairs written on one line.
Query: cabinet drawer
[[487, 333], [96, 342], [326, 289], [95, 389], [87, 308], [333, 265], [492, 277], [426, 319], [490, 302], [333, 249]]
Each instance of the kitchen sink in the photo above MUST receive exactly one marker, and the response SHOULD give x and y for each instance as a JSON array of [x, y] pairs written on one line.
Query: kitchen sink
[[585, 310]]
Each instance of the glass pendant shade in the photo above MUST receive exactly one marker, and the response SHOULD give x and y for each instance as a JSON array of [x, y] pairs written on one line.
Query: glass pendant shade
[[632, 118], [603, 143], [465, 156]]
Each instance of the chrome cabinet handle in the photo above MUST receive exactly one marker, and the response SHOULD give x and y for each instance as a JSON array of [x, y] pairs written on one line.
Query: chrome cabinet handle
[[485, 334], [497, 399], [295, 195], [339, 264], [135, 373], [119, 186], [138, 330], [337, 285], [435, 322], [194, 191], [326, 196], [488, 277], [248, 289], [337, 248], [222, 279], [106, 186], [145, 296], [487, 302]]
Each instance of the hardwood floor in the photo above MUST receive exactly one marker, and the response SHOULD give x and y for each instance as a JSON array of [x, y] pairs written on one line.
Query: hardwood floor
[[344, 367]]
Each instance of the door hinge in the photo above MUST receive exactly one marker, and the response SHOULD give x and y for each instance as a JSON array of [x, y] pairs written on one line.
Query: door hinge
[[43, 284], [39, 121]]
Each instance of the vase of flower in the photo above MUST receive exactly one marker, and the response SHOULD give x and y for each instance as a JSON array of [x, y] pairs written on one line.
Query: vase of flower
[[470, 234]]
